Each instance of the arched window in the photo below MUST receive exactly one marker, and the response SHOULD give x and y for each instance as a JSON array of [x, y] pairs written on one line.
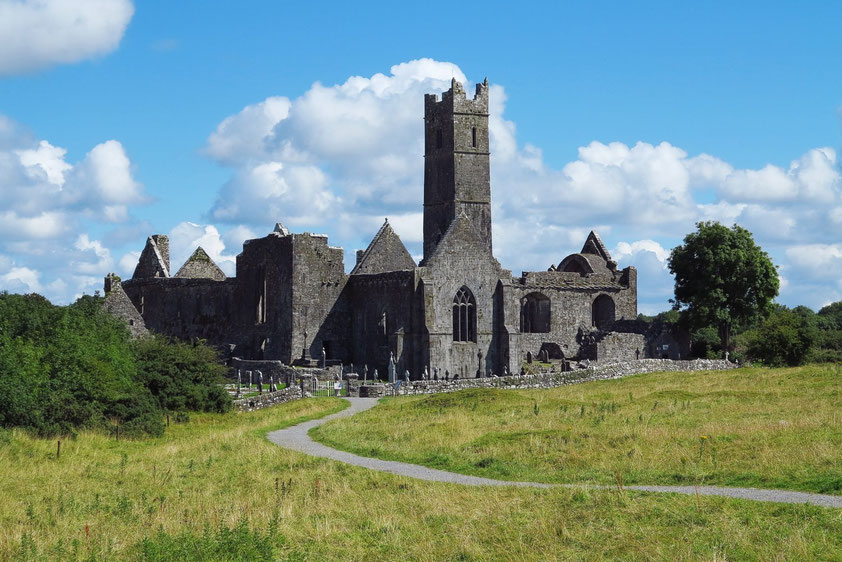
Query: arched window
[[535, 314], [603, 312], [464, 316]]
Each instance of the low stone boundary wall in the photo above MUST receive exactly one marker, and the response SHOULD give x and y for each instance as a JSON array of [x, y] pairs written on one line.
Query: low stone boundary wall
[[539, 380], [552, 380], [268, 399], [372, 390]]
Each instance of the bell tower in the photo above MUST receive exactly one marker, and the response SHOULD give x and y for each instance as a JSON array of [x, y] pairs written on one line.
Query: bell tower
[[457, 175]]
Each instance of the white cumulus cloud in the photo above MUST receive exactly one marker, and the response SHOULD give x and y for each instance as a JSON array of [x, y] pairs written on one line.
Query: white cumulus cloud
[[39, 33], [48, 206]]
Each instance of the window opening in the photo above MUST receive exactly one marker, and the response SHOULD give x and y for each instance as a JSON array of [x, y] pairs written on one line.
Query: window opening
[[464, 316]]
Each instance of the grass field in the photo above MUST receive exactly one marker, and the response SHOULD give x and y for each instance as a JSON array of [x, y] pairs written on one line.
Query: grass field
[[778, 428], [214, 488]]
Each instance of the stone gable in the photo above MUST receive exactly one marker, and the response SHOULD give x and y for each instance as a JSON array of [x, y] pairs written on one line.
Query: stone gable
[[200, 266], [385, 253]]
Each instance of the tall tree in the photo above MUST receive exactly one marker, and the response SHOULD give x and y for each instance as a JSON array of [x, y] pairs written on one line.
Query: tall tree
[[722, 278]]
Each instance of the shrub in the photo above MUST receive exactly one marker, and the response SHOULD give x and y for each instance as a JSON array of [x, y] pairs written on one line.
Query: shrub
[[65, 368], [785, 338]]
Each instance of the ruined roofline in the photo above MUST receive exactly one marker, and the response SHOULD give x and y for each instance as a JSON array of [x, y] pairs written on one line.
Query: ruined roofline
[[154, 258], [280, 231], [200, 266], [367, 252], [370, 253], [595, 245]]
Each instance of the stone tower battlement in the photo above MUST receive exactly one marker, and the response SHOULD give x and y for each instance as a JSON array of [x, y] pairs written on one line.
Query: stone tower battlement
[[455, 99], [457, 177]]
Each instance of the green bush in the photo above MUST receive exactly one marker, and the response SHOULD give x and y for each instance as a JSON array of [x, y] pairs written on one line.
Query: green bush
[[72, 367], [181, 376], [785, 338]]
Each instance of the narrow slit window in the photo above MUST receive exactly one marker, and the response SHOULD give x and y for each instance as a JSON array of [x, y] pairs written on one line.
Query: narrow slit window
[[474, 137], [261, 295]]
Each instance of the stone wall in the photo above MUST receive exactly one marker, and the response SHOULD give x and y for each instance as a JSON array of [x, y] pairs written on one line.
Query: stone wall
[[552, 380], [268, 399], [380, 324], [118, 304], [318, 281], [619, 346], [539, 380], [185, 308], [263, 298]]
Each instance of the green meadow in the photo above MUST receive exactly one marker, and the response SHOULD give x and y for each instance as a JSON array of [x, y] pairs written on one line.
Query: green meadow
[[213, 488], [768, 428]]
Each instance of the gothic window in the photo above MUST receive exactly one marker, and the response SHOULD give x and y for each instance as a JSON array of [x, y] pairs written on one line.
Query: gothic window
[[464, 316], [535, 314], [474, 137], [603, 312]]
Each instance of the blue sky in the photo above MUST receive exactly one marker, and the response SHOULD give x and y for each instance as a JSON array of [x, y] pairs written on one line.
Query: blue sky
[[208, 121]]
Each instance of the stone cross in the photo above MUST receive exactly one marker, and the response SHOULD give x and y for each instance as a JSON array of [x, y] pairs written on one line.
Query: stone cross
[[365, 373], [406, 375], [376, 376], [259, 382], [391, 367], [324, 358]]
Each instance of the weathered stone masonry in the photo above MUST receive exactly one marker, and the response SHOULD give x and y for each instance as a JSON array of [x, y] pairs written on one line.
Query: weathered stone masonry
[[458, 311]]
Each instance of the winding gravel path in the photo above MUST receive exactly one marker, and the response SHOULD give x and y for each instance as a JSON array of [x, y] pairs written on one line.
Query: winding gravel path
[[296, 438]]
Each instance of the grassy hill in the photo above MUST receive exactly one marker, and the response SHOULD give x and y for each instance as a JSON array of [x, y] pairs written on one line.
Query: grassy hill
[[214, 488], [771, 428]]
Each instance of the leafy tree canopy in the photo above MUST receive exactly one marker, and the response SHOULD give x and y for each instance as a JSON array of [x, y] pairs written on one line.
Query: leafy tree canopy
[[722, 278], [70, 367]]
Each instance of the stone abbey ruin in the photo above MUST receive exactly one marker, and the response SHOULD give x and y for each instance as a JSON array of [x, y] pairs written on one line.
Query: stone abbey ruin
[[457, 311]]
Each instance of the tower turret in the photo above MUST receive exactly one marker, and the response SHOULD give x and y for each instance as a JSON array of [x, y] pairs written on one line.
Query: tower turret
[[456, 163]]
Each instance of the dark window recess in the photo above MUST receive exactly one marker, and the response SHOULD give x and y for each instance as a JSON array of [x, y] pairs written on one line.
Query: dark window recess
[[603, 312], [535, 314], [464, 316]]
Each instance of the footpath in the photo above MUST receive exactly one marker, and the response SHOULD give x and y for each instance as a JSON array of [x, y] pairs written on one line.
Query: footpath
[[297, 439]]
